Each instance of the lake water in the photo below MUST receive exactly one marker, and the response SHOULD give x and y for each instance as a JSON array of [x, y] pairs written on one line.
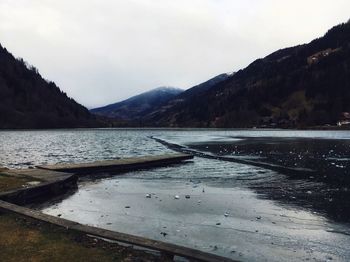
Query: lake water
[[254, 195]]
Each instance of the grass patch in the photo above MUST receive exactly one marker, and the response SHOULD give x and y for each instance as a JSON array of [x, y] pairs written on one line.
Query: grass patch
[[24, 239]]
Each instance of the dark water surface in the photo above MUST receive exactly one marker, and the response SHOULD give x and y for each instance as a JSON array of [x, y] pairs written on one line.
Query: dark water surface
[[254, 195]]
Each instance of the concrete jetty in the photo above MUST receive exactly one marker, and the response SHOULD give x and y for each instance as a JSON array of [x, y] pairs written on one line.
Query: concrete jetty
[[52, 180], [45, 184], [119, 165]]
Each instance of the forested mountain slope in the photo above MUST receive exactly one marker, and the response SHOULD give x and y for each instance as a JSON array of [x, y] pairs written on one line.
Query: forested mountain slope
[[29, 101]]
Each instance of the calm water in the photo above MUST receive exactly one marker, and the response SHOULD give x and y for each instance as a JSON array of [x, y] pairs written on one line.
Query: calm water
[[285, 192]]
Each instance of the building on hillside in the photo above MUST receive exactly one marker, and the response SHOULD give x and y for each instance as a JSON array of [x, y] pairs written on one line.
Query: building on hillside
[[319, 55]]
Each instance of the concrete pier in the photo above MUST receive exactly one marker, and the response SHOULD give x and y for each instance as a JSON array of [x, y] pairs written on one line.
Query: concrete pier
[[118, 165], [57, 179], [46, 184]]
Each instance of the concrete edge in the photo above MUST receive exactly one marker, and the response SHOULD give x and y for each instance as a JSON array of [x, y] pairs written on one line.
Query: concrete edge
[[120, 165], [30, 194], [112, 235]]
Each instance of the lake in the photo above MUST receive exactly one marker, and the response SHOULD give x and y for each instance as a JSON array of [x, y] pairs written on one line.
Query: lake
[[252, 195]]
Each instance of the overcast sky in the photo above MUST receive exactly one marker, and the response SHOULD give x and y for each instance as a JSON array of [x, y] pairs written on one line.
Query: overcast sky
[[101, 52]]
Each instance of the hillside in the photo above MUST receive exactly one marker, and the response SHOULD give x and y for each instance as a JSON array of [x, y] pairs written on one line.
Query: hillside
[[301, 86], [136, 107], [29, 101]]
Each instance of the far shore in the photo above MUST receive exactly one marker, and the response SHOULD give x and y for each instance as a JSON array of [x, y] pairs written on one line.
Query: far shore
[[315, 128]]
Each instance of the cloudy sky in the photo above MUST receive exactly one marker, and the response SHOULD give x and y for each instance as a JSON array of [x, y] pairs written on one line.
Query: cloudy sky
[[101, 52]]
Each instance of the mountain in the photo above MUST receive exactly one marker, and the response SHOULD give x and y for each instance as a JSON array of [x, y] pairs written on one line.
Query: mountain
[[165, 112], [29, 101], [136, 107], [301, 86]]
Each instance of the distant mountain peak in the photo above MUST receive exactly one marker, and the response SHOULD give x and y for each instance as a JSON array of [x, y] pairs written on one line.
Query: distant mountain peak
[[135, 107], [166, 88]]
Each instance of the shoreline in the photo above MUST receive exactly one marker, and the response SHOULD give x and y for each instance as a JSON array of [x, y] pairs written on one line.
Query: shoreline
[[257, 128], [57, 183]]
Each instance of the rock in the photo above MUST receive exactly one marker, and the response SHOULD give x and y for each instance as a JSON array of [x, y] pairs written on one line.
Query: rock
[[176, 197], [226, 214], [2, 168], [33, 183], [127, 206], [148, 195], [218, 224], [163, 233], [187, 196], [258, 217]]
